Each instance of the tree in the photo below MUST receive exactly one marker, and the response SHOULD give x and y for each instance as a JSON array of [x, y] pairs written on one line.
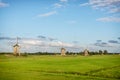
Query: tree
[[100, 52], [105, 51]]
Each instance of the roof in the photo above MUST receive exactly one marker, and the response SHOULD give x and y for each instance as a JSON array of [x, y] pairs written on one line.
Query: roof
[[62, 48], [16, 45]]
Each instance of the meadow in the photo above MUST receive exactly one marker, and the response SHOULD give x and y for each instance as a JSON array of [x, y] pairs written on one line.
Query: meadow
[[56, 67]]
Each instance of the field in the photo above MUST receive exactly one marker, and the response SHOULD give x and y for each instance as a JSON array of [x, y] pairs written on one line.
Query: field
[[56, 67]]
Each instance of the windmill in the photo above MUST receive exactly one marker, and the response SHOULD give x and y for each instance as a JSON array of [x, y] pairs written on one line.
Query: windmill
[[63, 50], [16, 48], [86, 52]]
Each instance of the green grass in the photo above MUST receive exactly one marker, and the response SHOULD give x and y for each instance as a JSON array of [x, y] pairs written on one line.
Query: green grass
[[51, 67]]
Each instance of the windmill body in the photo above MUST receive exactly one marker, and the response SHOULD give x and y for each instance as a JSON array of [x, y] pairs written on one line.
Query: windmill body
[[16, 49], [63, 51], [86, 52]]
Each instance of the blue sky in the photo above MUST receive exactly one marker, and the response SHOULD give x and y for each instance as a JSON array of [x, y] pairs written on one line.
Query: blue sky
[[48, 25]]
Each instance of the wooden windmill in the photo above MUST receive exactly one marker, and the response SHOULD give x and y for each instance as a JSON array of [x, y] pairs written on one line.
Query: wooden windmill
[[86, 52], [63, 50], [16, 48]]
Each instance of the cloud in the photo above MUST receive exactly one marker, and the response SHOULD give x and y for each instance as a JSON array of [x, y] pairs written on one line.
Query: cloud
[[44, 43], [52, 44], [40, 41], [46, 38], [6, 38], [33, 42], [51, 39], [109, 19], [114, 10], [42, 37], [59, 44], [119, 38], [2, 4], [112, 6], [29, 42], [58, 5], [108, 6], [84, 4], [48, 14], [63, 0], [113, 41], [99, 41], [101, 44], [75, 42]]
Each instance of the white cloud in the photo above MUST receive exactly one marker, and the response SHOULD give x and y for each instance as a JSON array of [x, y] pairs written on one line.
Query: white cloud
[[58, 5], [31, 42], [108, 5], [2, 4], [109, 19], [47, 14], [114, 10], [84, 4], [60, 44], [46, 43], [63, 0], [38, 45]]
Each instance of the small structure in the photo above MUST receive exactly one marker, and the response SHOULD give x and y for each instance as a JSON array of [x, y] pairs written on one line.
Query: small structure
[[16, 49], [86, 52], [63, 51]]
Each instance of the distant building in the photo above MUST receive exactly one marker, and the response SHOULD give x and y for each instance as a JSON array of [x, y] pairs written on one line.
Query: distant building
[[86, 52], [63, 51], [16, 49]]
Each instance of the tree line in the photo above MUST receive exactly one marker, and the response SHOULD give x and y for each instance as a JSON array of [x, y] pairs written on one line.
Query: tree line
[[100, 52]]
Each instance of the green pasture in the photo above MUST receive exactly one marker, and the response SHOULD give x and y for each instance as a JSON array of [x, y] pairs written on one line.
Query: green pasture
[[56, 67]]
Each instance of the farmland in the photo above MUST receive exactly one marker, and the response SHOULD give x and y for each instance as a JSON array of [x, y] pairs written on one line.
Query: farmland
[[56, 67]]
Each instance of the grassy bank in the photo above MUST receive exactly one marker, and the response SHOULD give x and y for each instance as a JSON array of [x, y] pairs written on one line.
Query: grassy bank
[[52, 67]]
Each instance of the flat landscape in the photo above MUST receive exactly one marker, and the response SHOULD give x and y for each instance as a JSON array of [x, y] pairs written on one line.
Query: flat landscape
[[56, 67]]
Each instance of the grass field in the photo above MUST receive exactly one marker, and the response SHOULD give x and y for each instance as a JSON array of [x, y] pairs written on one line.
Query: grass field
[[56, 67]]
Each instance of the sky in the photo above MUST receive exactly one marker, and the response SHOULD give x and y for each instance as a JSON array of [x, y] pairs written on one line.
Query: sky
[[48, 25]]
